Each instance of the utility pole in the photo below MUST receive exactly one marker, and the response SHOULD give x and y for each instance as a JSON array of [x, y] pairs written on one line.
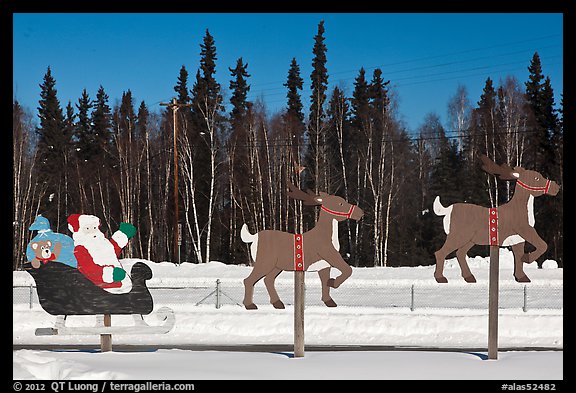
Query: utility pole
[[174, 105]]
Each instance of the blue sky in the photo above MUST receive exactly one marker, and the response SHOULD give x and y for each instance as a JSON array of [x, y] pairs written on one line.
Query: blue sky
[[425, 56]]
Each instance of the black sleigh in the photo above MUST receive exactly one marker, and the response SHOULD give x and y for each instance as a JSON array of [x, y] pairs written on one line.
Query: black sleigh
[[64, 291]]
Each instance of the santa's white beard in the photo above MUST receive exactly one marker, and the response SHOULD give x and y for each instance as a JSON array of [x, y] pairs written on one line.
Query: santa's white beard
[[100, 248]]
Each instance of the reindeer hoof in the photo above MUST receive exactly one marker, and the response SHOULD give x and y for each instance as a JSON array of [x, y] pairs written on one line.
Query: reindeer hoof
[[331, 283], [251, 306], [278, 304], [441, 279], [523, 278], [470, 279], [330, 303]]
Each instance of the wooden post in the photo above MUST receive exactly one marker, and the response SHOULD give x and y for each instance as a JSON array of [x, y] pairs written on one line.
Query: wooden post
[[106, 339], [493, 303], [174, 105], [298, 314], [176, 214]]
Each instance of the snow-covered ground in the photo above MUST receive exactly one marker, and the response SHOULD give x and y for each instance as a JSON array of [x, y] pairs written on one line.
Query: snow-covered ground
[[175, 364], [447, 332]]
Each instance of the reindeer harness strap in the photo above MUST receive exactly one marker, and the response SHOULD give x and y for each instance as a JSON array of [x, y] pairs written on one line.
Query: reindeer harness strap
[[298, 252], [531, 188], [340, 214], [493, 226]]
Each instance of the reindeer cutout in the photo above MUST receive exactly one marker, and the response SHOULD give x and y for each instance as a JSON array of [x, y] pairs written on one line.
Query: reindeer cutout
[[317, 249], [466, 224]]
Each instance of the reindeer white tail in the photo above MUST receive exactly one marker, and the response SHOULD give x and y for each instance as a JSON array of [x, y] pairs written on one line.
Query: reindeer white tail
[[443, 211], [247, 237]]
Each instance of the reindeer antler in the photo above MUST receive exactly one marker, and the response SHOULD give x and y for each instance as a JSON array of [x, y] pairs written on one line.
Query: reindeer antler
[[504, 171], [309, 198]]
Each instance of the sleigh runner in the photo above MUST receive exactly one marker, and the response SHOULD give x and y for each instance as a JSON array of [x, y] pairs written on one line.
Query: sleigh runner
[[64, 291]]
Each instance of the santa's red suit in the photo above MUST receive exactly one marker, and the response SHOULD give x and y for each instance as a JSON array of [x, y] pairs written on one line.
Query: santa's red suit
[[97, 256]]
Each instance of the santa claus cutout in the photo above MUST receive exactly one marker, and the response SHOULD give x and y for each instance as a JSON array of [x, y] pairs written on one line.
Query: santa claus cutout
[[97, 256]]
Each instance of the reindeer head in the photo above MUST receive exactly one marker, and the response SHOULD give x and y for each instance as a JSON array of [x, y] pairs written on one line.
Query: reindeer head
[[532, 181], [334, 205]]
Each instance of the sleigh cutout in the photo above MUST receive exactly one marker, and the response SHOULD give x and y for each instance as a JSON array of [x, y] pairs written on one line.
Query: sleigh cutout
[[64, 291]]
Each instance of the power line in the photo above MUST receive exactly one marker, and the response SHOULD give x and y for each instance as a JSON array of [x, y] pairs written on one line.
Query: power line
[[478, 49], [487, 67]]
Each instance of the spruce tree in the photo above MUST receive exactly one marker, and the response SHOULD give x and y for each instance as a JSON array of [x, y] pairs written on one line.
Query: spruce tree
[[357, 142], [101, 125], [238, 115], [210, 89], [360, 103], [240, 88], [534, 87], [181, 87], [294, 83], [53, 142], [125, 117], [319, 84], [239, 166], [184, 112], [86, 143], [541, 103], [544, 155], [294, 116], [319, 81], [207, 120], [142, 119], [54, 145], [379, 93]]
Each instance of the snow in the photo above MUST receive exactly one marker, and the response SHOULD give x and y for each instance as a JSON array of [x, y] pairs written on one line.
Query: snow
[[171, 364], [426, 343]]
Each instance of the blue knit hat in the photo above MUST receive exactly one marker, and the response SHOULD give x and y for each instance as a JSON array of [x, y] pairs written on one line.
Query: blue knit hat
[[40, 224]]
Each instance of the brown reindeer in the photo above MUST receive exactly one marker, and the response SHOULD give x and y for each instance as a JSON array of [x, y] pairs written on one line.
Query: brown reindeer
[[467, 224], [275, 251]]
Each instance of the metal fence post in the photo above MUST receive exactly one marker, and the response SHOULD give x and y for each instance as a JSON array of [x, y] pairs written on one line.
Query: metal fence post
[[217, 293], [525, 305], [31, 296], [412, 297]]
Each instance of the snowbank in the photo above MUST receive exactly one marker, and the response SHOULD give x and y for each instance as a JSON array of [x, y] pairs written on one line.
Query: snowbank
[[231, 324], [170, 364]]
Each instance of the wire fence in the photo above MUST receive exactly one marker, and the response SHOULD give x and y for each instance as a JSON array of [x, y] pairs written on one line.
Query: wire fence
[[414, 296]]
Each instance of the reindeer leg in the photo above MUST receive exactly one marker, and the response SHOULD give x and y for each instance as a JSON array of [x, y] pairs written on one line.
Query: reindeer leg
[[440, 257], [334, 258], [532, 237], [249, 282], [269, 281], [464, 268], [519, 275], [324, 275]]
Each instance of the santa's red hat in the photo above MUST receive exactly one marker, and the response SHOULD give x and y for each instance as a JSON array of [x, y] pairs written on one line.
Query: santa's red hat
[[77, 220]]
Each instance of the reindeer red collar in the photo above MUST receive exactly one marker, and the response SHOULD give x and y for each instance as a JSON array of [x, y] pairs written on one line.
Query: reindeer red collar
[[467, 224], [275, 251]]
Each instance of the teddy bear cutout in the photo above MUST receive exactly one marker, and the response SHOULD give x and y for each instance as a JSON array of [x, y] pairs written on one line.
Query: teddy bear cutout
[[49, 246]]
